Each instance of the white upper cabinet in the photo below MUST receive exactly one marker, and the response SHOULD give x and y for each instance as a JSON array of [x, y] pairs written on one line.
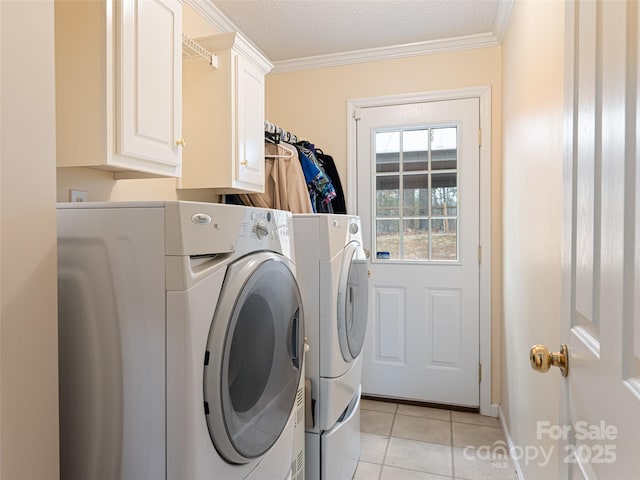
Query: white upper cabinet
[[151, 80], [224, 117], [119, 86]]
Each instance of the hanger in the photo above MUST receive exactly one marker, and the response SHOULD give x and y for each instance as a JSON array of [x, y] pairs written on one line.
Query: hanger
[[272, 137], [290, 153], [274, 134]]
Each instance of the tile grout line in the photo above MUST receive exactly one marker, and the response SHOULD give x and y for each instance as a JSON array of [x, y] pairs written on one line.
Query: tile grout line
[[386, 450], [390, 436], [453, 464]]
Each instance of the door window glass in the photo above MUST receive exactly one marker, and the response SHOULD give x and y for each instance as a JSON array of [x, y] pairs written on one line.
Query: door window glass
[[416, 194]]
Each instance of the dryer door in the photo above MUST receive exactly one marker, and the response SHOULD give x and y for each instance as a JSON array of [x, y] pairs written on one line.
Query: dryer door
[[353, 301], [254, 357]]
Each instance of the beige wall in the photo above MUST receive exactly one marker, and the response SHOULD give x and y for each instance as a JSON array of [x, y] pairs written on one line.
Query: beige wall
[[28, 322], [313, 105], [532, 174], [100, 186]]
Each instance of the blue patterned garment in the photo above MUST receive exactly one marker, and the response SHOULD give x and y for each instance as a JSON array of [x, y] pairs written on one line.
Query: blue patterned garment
[[321, 190]]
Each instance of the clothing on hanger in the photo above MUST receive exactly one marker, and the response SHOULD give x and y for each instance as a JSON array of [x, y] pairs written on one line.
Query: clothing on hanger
[[329, 166], [321, 191], [285, 187]]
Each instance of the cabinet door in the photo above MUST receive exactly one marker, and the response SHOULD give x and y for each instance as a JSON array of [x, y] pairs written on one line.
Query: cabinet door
[[250, 123], [150, 81]]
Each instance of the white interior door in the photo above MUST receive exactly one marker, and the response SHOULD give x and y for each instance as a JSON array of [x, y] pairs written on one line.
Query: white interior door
[[418, 200], [601, 312]]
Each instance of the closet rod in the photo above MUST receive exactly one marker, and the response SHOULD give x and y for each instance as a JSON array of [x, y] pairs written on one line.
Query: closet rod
[[284, 135]]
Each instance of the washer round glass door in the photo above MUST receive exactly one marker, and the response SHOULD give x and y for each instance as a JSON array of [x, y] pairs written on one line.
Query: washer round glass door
[[254, 357], [353, 301]]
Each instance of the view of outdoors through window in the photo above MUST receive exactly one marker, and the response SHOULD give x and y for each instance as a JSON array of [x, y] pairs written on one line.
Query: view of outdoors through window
[[416, 211]]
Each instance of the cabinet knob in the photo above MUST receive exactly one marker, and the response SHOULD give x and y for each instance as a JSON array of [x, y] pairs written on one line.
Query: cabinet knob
[[244, 163], [181, 143]]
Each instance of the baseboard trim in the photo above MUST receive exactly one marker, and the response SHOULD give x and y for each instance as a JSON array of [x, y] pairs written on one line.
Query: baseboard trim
[[510, 443]]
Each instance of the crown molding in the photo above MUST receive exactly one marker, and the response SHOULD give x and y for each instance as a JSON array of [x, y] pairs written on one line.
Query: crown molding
[[488, 39], [213, 15], [221, 22]]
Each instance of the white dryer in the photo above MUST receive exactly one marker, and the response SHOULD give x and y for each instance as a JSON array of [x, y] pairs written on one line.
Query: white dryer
[[333, 278], [181, 342]]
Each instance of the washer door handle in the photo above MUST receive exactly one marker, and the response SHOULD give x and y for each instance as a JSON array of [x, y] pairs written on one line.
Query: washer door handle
[[295, 351]]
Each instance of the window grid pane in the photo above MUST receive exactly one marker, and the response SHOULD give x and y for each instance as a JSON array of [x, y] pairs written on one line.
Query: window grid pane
[[416, 195]]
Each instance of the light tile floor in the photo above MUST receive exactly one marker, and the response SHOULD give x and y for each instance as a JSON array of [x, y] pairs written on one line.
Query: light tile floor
[[404, 442]]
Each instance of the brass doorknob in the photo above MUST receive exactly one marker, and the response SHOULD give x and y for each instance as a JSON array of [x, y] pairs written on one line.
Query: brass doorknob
[[541, 360]]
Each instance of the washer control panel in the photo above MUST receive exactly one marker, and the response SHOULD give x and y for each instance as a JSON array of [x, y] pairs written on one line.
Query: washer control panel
[[262, 225]]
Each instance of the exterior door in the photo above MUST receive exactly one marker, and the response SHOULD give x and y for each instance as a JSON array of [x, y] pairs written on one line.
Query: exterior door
[[418, 199], [601, 262], [254, 357]]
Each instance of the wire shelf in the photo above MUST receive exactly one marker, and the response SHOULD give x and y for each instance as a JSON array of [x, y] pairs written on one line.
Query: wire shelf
[[191, 49]]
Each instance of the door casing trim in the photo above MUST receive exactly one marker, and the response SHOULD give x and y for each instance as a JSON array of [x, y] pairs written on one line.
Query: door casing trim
[[483, 93]]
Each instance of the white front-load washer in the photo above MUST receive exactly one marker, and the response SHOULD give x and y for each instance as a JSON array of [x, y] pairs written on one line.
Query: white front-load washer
[[333, 277], [181, 342]]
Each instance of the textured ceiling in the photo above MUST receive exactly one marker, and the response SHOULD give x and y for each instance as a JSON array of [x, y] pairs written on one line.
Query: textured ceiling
[[294, 29]]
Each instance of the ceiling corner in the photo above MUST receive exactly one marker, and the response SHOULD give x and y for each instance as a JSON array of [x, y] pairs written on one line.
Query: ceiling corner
[[502, 19]]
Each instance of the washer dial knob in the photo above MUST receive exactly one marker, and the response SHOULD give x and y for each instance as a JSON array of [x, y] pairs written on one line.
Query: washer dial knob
[[262, 230]]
